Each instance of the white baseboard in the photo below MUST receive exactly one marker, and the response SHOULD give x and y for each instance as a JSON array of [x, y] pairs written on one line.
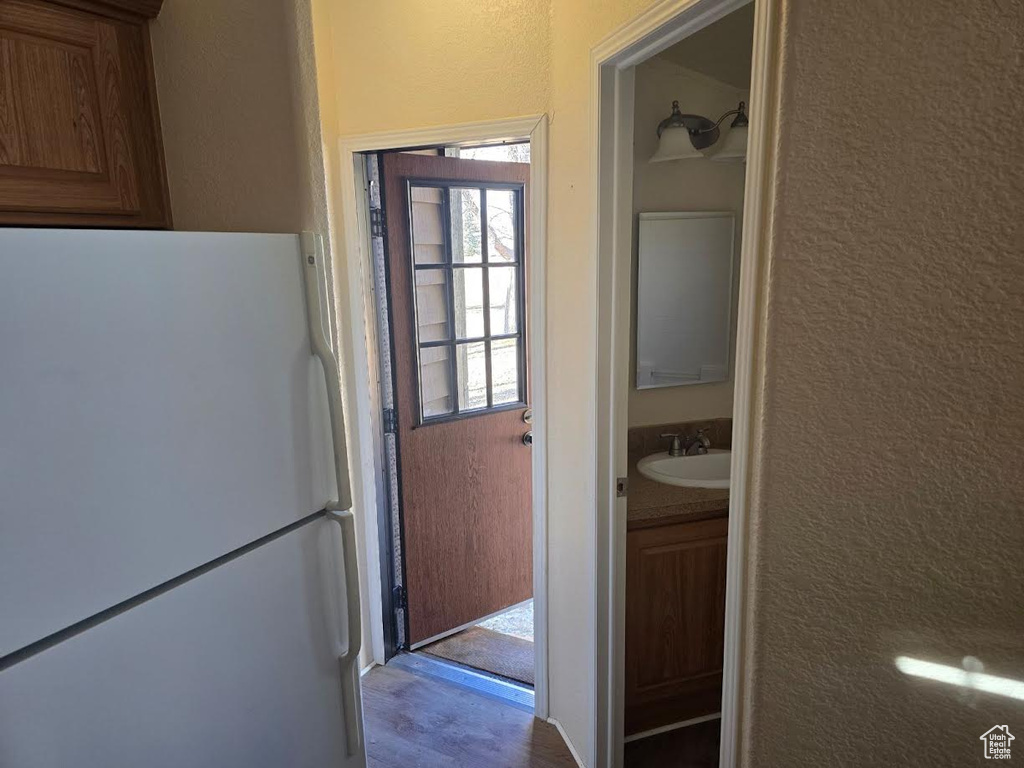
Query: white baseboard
[[365, 670], [673, 727], [568, 742]]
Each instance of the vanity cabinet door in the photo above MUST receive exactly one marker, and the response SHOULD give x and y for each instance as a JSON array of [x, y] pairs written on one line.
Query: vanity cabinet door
[[79, 130], [675, 622]]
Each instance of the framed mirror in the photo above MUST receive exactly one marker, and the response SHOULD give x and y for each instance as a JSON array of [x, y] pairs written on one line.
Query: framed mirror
[[684, 298]]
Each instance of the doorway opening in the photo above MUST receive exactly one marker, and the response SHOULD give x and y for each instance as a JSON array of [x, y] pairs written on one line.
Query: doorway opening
[[687, 211], [683, 196], [450, 252]]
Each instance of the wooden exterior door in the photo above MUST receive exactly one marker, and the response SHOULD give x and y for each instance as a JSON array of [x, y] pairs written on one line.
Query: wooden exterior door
[[456, 258]]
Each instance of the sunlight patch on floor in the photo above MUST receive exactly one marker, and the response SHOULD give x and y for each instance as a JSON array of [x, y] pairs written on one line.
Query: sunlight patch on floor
[[517, 622]]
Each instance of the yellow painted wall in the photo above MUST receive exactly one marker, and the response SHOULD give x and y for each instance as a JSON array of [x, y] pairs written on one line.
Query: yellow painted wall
[[415, 64]]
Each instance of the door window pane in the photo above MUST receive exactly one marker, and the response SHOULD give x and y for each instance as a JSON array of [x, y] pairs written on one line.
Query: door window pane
[[432, 304], [501, 225], [436, 381], [427, 225], [472, 367], [465, 212], [469, 302], [469, 315], [504, 298], [505, 371]]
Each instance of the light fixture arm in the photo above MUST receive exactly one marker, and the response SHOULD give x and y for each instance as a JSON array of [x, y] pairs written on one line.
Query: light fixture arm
[[741, 120]]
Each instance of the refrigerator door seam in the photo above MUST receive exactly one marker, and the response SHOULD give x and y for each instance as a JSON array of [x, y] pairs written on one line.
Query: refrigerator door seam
[[45, 643]]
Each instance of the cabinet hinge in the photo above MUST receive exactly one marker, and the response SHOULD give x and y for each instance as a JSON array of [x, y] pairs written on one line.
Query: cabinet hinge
[[622, 487], [377, 225], [390, 421]]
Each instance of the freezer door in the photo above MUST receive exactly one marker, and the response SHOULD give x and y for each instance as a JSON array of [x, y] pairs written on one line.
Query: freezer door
[[159, 407], [238, 667]]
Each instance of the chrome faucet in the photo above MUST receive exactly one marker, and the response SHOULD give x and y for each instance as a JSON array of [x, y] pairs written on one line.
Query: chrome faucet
[[691, 445]]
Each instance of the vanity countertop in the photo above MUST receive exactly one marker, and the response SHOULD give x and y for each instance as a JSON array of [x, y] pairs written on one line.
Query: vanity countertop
[[651, 503]]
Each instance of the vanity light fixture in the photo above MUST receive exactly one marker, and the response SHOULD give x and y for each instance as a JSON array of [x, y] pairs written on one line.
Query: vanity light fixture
[[681, 137]]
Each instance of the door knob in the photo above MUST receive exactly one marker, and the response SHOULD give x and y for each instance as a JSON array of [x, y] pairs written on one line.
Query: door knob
[[528, 438]]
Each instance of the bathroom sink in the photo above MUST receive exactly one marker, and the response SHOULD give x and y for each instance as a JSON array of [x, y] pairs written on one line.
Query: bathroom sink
[[708, 470]]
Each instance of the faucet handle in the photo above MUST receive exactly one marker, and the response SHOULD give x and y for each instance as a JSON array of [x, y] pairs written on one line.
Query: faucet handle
[[703, 441], [677, 443]]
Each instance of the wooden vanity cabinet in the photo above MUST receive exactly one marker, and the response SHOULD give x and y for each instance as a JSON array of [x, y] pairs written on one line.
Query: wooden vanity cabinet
[[675, 622], [79, 126]]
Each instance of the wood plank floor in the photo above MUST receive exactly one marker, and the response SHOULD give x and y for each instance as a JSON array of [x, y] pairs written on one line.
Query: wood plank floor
[[414, 721]]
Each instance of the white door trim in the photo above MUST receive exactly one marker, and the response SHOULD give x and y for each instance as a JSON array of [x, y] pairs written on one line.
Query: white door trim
[[355, 289], [612, 63]]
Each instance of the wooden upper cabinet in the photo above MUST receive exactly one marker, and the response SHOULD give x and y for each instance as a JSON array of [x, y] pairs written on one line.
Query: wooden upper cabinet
[[79, 126]]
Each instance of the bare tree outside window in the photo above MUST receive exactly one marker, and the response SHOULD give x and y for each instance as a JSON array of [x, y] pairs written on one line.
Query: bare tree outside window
[[502, 153]]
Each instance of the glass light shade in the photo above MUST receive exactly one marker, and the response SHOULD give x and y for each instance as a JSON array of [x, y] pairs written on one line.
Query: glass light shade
[[731, 148], [675, 144]]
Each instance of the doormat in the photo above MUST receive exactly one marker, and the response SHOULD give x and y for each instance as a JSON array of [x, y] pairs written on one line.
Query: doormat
[[490, 651]]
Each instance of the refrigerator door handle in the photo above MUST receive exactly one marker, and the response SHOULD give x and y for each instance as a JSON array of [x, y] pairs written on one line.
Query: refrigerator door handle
[[313, 258], [348, 661], [339, 510]]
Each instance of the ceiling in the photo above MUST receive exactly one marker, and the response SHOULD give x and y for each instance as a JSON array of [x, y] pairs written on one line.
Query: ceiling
[[721, 51]]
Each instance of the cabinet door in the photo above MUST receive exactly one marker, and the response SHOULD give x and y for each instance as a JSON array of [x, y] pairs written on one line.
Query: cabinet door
[[79, 132], [675, 622]]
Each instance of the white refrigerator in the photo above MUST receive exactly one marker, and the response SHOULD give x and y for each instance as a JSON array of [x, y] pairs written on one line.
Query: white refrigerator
[[178, 581]]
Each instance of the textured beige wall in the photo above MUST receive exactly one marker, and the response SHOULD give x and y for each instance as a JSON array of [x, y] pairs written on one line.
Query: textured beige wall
[[682, 185], [887, 509], [236, 83]]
